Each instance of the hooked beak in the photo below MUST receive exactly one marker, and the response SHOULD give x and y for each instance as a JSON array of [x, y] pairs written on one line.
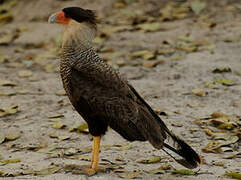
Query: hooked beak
[[53, 19]]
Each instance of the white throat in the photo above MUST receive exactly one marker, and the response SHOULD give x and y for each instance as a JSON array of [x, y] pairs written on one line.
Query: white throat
[[79, 33]]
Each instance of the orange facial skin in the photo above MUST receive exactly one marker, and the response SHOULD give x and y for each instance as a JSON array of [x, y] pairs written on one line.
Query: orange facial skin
[[61, 18]]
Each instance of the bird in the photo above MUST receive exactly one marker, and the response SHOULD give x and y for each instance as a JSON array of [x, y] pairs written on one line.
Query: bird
[[106, 99]]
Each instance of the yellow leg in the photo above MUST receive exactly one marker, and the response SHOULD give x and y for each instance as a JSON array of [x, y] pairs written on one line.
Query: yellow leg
[[93, 168], [95, 152]]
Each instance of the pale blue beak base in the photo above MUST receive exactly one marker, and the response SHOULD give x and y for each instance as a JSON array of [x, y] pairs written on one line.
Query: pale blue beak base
[[52, 19]]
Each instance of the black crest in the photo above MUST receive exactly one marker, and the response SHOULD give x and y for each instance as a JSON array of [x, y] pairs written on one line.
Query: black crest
[[80, 15]]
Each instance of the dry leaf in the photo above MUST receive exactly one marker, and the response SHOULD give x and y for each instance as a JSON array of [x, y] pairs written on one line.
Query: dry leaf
[[150, 160], [222, 70], [59, 125], [177, 58], [197, 6], [12, 137], [145, 54], [6, 17], [211, 85], [8, 111], [8, 38], [150, 27], [48, 149], [49, 170], [7, 83], [7, 161], [25, 73], [129, 175], [2, 138], [8, 93], [151, 64], [199, 92]]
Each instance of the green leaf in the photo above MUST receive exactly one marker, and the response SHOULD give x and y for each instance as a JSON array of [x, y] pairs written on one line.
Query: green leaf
[[150, 160], [12, 137], [183, 172], [225, 82], [234, 175], [7, 161]]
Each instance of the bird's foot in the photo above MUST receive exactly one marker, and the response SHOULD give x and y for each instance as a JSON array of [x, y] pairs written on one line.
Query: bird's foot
[[87, 170]]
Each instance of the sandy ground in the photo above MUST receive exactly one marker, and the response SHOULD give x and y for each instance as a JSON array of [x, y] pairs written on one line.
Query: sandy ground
[[167, 87]]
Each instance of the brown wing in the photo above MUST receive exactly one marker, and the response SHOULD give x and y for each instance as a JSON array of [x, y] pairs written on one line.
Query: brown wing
[[101, 96]]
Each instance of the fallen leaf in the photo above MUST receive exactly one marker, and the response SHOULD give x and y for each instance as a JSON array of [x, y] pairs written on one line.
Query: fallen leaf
[[81, 157], [232, 39], [7, 161], [70, 151], [59, 125], [186, 38], [12, 137], [49, 68], [7, 83], [222, 70], [199, 92], [183, 172], [150, 27], [225, 82], [99, 40], [49, 170], [125, 147], [48, 149], [150, 160], [7, 38], [8, 111], [145, 54], [83, 128], [6, 17], [160, 170], [197, 6], [2, 138], [55, 116], [129, 175], [211, 85], [177, 58], [234, 175], [25, 73], [61, 92], [187, 48], [218, 163], [8, 93], [151, 64]]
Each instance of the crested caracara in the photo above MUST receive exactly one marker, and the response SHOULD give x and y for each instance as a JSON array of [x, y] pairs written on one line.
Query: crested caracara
[[103, 98]]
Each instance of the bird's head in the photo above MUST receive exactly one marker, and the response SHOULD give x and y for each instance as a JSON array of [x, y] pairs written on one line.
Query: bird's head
[[80, 24]]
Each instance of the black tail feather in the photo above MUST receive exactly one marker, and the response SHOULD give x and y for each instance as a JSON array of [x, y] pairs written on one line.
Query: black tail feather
[[186, 155]]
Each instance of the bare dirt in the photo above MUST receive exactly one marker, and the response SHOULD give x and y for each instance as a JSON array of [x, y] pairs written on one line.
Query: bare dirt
[[167, 87]]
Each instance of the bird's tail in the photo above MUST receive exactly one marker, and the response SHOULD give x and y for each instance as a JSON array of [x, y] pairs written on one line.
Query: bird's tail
[[181, 152], [176, 148]]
